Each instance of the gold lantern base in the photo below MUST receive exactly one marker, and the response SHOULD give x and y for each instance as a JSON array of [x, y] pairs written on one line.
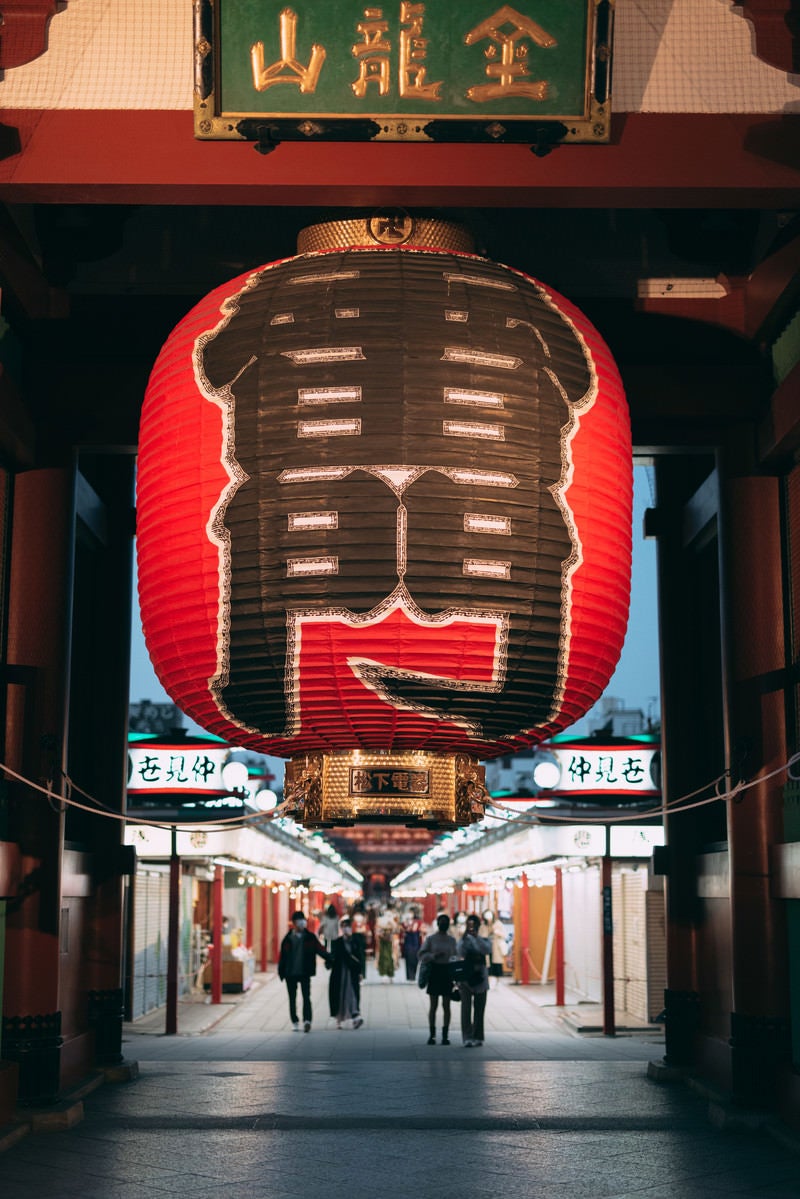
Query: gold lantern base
[[417, 789]]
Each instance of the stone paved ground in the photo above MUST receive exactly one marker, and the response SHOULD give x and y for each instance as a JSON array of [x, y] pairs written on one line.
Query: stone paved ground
[[237, 1105]]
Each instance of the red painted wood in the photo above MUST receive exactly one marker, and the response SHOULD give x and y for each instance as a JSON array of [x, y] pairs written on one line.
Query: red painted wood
[[23, 34], [249, 917], [264, 911], [729, 311], [524, 933], [40, 582], [216, 950], [558, 900], [653, 160], [276, 933], [777, 31]]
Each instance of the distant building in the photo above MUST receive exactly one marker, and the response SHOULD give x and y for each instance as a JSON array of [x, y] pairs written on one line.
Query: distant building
[[610, 717], [147, 717]]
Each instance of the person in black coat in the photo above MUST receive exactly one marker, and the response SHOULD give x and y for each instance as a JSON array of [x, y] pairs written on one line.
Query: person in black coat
[[297, 963], [348, 967]]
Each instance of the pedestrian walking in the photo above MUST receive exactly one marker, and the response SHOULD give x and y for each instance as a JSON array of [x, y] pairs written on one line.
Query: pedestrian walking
[[386, 946], [439, 949], [297, 963], [329, 926], [348, 967], [371, 916], [495, 930], [412, 942], [474, 983]]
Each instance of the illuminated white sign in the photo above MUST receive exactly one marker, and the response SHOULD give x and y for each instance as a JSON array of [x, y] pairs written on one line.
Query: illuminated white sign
[[636, 842], [605, 769], [184, 769]]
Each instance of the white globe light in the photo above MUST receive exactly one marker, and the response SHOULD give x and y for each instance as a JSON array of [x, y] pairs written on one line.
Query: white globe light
[[547, 774], [235, 776], [266, 801]]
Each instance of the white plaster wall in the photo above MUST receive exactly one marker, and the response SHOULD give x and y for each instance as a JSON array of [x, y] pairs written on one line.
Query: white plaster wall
[[669, 56]]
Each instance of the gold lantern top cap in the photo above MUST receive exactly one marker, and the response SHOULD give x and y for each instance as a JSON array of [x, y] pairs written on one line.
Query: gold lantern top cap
[[386, 227]]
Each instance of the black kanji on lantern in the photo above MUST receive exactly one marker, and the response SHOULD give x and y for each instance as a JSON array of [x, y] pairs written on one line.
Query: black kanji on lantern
[[395, 424]]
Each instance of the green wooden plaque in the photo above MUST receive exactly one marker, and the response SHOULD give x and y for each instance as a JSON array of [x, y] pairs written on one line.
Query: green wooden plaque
[[438, 70]]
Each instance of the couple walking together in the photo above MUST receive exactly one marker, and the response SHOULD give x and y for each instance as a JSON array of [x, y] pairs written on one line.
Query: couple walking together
[[441, 950], [346, 960]]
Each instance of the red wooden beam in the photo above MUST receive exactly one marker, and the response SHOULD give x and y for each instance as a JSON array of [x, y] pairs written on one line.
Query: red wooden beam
[[777, 30], [654, 160], [772, 279], [23, 34], [728, 311]]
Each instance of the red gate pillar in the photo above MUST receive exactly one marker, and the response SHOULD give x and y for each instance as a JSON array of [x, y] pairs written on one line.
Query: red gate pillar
[[262, 957], [249, 921], [216, 952], [524, 933], [39, 620], [558, 900], [752, 556], [682, 589], [275, 940]]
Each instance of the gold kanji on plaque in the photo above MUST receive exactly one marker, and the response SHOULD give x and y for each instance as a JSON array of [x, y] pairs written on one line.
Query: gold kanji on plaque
[[509, 76]]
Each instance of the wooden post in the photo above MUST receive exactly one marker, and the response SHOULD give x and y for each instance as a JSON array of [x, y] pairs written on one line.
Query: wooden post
[[216, 952], [262, 957], [249, 922], [39, 624], [275, 939], [609, 1026], [173, 934], [760, 1017], [558, 900], [524, 933]]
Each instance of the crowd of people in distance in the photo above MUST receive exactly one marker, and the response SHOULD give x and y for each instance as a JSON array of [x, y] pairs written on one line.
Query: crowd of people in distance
[[452, 961]]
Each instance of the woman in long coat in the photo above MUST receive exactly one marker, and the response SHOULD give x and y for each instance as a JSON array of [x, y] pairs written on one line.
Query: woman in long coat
[[348, 967], [474, 985]]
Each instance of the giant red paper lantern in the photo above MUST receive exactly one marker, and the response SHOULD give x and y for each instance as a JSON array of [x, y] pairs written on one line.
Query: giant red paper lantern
[[384, 517]]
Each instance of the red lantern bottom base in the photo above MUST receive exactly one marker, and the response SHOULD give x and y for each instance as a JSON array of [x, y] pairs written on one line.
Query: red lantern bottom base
[[439, 791]]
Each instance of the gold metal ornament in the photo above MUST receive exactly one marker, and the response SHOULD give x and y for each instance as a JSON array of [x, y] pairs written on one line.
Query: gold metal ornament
[[440, 791], [392, 227]]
